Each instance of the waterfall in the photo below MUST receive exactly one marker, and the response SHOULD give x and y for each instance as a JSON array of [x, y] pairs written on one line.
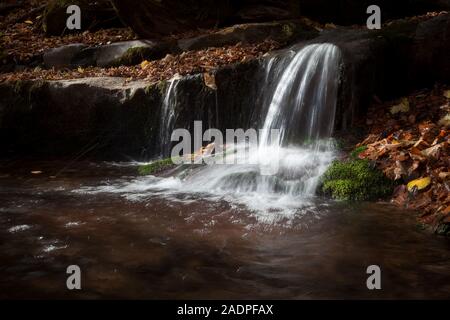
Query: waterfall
[[301, 94], [168, 113], [298, 97], [303, 104]]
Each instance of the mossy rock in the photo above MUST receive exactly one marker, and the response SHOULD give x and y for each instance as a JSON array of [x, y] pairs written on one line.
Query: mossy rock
[[355, 180], [156, 167]]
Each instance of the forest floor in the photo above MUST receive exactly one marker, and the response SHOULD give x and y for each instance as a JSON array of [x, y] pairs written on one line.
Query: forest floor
[[409, 141], [22, 39]]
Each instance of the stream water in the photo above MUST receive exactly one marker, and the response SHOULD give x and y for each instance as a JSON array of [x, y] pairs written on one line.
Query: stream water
[[143, 242]]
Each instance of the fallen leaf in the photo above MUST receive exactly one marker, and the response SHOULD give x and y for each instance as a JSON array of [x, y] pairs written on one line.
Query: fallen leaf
[[144, 64], [400, 196], [36, 172], [419, 184], [444, 175], [433, 151]]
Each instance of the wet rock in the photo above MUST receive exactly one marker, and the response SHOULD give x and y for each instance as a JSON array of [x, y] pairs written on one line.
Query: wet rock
[[112, 118], [70, 116]]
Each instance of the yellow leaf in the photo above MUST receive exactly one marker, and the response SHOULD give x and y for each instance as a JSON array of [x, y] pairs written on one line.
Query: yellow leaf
[[447, 94], [29, 22], [144, 64], [420, 184], [80, 70]]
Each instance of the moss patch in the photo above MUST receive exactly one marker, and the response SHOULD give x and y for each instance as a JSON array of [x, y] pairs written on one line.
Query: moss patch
[[155, 167], [355, 180]]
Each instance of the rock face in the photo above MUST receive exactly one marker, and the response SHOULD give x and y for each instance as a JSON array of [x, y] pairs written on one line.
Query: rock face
[[110, 117], [70, 116], [390, 62]]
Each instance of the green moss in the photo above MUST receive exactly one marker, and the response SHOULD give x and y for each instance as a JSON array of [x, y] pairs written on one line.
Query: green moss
[[355, 153], [156, 167], [355, 180]]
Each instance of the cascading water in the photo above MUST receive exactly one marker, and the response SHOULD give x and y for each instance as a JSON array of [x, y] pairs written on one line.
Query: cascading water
[[301, 105], [168, 116], [299, 99]]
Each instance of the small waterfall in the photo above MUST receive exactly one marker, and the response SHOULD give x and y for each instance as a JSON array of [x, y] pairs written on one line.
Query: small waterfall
[[168, 118], [303, 104], [298, 97], [301, 94]]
